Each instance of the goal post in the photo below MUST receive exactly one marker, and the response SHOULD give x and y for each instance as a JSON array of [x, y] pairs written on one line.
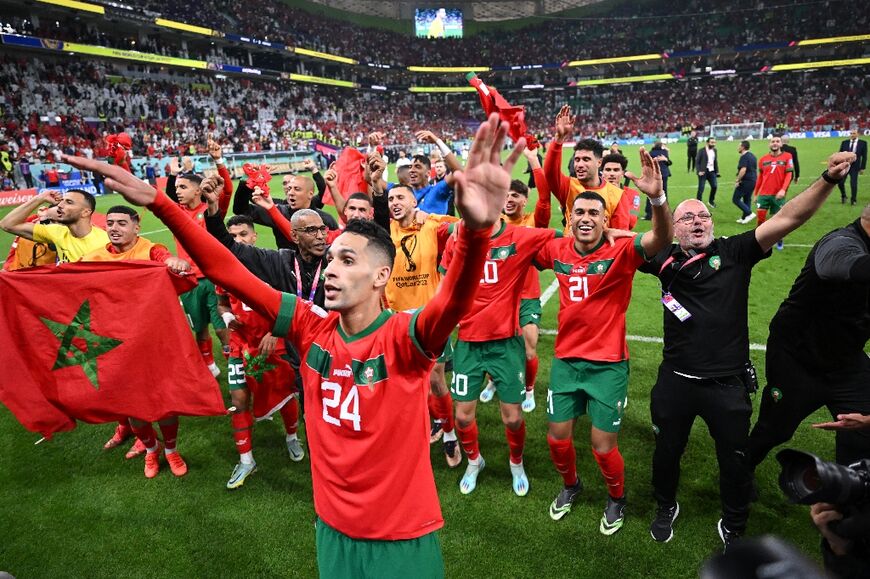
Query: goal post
[[737, 131]]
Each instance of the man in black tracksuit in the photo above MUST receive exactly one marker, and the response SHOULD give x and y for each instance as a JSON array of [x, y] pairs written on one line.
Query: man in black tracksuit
[[815, 353], [704, 372]]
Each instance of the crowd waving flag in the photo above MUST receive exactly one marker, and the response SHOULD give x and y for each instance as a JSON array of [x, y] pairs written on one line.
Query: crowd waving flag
[[514, 116], [99, 342]]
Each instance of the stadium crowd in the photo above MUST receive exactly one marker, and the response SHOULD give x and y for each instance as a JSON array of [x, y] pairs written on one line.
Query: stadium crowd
[[726, 24], [46, 104]]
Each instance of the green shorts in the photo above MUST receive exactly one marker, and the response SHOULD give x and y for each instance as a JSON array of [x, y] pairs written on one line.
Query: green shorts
[[340, 557], [236, 374], [447, 354], [770, 203], [504, 360], [581, 386], [530, 312], [200, 305]]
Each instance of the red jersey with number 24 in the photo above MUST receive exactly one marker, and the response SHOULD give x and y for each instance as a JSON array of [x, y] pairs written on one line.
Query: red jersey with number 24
[[367, 422], [496, 311], [594, 292]]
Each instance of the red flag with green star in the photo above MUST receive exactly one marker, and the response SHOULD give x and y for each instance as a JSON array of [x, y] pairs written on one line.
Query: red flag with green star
[[99, 342]]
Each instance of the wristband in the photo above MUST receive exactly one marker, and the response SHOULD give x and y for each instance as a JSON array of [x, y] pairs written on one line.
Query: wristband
[[445, 150], [228, 317], [219, 161], [658, 201], [831, 180]]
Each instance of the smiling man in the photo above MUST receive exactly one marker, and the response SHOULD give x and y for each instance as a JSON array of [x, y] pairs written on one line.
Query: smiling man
[[72, 233], [125, 243], [374, 491], [590, 372], [587, 163], [706, 370]]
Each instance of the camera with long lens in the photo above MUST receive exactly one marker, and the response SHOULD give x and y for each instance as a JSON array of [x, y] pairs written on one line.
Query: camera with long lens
[[806, 479]]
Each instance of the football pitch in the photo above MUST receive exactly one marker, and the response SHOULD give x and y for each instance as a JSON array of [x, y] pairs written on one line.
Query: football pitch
[[70, 509]]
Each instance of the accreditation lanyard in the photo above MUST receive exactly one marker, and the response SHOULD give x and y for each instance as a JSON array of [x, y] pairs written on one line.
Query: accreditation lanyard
[[669, 301], [314, 281]]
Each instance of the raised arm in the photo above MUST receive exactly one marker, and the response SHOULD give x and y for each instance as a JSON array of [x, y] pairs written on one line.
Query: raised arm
[[650, 184], [564, 130], [797, 211], [215, 261], [16, 222], [450, 159], [543, 210], [480, 195]]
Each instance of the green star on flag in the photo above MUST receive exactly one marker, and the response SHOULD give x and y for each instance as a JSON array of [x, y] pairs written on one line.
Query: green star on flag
[[256, 366], [79, 346]]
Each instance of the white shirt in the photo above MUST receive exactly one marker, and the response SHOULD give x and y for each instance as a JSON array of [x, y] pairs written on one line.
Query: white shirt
[[711, 159]]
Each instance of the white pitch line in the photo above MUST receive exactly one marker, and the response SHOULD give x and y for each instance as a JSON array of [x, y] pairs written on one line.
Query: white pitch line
[[155, 231], [548, 293], [653, 340]]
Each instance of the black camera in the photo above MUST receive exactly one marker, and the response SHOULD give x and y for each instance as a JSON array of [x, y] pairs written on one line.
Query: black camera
[[806, 479]]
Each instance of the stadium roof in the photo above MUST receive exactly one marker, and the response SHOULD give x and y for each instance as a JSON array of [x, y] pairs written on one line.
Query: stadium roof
[[480, 10]]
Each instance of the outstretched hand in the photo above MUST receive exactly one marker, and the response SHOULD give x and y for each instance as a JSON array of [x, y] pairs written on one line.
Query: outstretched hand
[[133, 189], [853, 421], [564, 124], [481, 188], [650, 180]]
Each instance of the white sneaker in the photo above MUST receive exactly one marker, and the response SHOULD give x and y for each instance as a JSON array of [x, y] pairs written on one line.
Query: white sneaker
[[748, 218], [487, 394], [294, 449], [469, 479], [520, 480], [528, 404]]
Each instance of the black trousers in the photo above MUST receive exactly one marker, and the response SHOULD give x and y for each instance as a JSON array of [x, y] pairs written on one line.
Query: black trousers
[[708, 176], [723, 403], [690, 164], [853, 185], [793, 392]]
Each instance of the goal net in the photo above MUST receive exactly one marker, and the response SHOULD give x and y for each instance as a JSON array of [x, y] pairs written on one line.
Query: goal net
[[737, 132]]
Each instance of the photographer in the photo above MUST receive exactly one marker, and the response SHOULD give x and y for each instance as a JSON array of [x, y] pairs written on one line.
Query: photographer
[[846, 557]]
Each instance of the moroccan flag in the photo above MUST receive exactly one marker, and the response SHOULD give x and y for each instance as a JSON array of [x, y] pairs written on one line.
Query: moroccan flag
[[99, 342], [514, 116], [350, 174]]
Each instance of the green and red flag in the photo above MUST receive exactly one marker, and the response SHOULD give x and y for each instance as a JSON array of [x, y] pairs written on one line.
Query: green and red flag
[[99, 342]]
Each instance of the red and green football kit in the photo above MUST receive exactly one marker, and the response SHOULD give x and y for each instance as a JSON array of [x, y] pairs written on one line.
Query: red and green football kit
[[366, 394], [590, 372], [774, 174], [495, 315], [271, 378]]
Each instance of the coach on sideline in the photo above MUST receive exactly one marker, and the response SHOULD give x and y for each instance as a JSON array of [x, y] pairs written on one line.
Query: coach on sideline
[[706, 369], [815, 353]]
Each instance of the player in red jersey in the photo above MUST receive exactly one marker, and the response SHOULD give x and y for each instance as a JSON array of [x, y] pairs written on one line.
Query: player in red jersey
[[491, 342], [374, 492], [257, 365], [613, 166], [200, 303], [530, 299], [590, 369], [775, 172]]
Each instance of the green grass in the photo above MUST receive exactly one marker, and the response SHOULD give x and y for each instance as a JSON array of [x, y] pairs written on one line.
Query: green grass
[[68, 509]]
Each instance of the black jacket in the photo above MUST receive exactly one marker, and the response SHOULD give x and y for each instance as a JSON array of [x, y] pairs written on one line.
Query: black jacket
[[701, 161], [276, 267], [794, 158]]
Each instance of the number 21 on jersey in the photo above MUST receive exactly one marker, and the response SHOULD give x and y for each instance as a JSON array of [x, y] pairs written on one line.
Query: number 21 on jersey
[[348, 409], [578, 288]]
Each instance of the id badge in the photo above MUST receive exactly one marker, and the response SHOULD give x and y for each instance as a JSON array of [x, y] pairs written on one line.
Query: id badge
[[676, 307]]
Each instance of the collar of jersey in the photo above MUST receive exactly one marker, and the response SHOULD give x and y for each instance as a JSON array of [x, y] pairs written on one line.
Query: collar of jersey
[[591, 251], [373, 327], [500, 229]]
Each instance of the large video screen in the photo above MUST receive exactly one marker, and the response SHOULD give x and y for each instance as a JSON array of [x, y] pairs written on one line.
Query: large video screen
[[438, 23]]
